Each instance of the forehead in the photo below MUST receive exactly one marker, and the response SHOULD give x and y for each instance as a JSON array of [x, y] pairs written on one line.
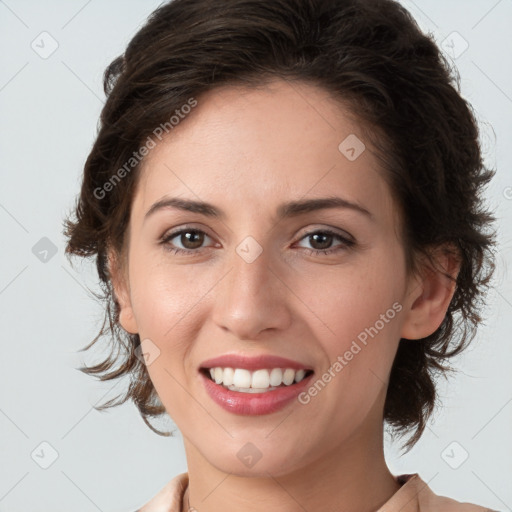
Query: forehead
[[259, 146]]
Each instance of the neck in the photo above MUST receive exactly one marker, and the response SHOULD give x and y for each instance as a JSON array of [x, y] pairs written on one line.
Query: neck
[[351, 476]]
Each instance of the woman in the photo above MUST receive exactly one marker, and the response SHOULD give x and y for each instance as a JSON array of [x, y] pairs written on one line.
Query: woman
[[283, 200]]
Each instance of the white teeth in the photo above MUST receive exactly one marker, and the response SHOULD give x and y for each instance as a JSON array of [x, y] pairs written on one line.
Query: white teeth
[[276, 377], [288, 376], [299, 375], [218, 375], [241, 378], [228, 376], [258, 381], [250, 390]]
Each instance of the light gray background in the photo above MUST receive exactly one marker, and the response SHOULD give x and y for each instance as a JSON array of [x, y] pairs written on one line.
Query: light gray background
[[111, 461]]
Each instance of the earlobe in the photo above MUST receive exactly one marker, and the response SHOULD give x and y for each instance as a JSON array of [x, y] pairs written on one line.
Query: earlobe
[[430, 297], [122, 294], [127, 320]]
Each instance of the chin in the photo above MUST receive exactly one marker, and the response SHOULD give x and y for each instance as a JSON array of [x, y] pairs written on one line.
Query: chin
[[249, 461]]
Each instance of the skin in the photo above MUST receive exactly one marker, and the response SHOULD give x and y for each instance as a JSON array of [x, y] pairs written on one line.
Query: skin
[[246, 151]]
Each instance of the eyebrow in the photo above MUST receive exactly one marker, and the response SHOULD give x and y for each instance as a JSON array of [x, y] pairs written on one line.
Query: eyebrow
[[285, 210]]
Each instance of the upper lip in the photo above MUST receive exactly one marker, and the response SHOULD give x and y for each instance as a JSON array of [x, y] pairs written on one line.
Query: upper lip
[[253, 362]]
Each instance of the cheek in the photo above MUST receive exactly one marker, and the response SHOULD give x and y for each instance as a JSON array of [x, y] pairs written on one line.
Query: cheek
[[360, 345], [359, 330], [165, 295], [352, 300], [166, 303]]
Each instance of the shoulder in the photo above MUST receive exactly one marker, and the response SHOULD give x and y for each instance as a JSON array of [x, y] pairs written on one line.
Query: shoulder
[[427, 500], [168, 499]]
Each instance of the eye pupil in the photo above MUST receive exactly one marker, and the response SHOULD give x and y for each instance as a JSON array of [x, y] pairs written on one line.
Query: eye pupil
[[187, 236], [323, 244]]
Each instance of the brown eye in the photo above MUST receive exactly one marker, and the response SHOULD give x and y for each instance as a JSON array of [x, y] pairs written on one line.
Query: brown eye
[[321, 242], [185, 241], [191, 239]]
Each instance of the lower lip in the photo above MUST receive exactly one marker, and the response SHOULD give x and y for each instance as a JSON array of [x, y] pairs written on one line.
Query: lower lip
[[254, 403]]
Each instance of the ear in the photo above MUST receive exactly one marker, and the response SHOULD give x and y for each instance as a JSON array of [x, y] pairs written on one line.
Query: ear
[[430, 293], [120, 285]]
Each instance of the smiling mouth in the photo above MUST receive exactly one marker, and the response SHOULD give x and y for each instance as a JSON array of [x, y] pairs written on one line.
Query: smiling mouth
[[257, 381]]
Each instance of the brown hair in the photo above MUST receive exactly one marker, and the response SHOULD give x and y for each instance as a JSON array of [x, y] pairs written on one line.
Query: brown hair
[[370, 55]]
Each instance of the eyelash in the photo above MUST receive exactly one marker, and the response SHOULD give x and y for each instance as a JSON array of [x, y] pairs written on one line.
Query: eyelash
[[317, 252]]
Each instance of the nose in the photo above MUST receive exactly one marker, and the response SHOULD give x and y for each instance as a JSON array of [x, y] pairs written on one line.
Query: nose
[[252, 298]]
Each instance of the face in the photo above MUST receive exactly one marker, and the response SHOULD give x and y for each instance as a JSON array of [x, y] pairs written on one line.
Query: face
[[316, 286]]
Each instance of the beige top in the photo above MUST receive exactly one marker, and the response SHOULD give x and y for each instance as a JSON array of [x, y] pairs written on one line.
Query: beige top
[[413, 496]]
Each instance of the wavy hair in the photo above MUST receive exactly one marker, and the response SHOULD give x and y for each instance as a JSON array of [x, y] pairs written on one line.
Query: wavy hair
[[372, 57]]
